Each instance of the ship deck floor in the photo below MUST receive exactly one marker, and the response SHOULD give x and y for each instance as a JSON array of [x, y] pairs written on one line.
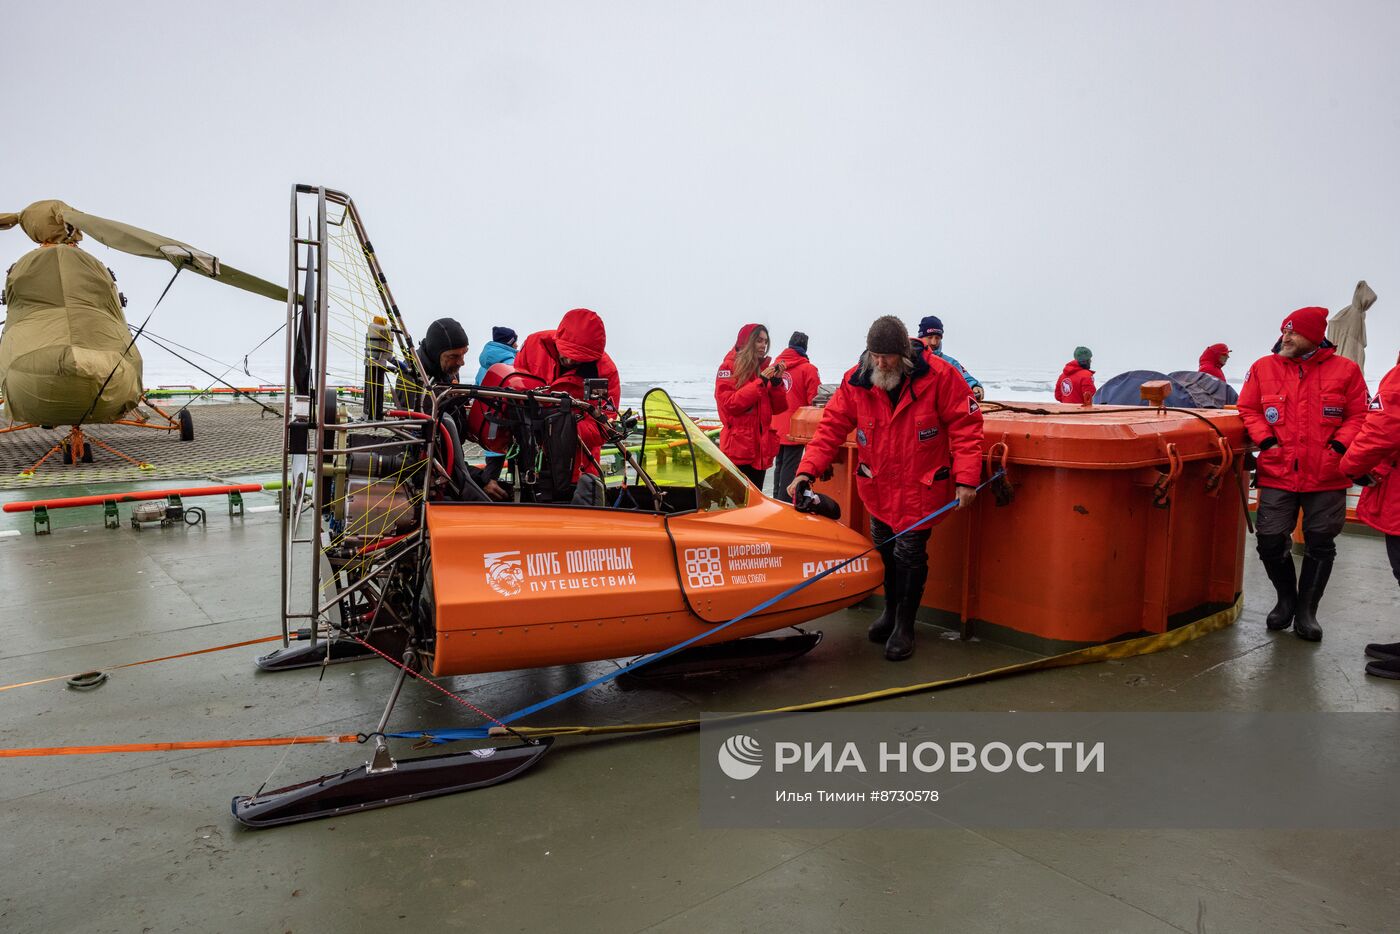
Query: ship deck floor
[[603, 835]]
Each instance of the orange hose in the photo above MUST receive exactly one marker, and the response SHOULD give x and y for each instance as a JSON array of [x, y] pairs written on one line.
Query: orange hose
[[174, 747]]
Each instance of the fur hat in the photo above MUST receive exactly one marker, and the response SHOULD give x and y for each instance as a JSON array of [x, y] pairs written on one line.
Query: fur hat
[[888, 335]]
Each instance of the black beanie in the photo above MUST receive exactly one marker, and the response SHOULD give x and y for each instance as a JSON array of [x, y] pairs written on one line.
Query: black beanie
[[798, 341], [442, 334], [888, 335]]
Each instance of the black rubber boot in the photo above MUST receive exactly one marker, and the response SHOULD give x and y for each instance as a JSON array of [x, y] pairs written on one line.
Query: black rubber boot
[[900, 645], [1312, 583], [1283, 576], [880, 630], [1388, 668], [1383, 651]]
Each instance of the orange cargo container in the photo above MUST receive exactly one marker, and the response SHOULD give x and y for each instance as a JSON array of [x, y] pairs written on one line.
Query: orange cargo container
[[1124, 521]]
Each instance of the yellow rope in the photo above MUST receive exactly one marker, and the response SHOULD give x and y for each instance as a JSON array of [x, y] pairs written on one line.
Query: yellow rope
[[1143, 645]]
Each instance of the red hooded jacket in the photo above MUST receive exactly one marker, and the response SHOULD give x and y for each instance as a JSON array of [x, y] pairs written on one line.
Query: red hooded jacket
[[1306, 405], [1075, 385], [910, 454], [1376, 450], [1209, 360], [802, 382], [746, 412], [582, 338]]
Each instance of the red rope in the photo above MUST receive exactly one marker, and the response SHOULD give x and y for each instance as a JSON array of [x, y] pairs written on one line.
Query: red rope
[[428, 681]]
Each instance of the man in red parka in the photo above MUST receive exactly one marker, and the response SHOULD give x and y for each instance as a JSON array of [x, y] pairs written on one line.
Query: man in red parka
[[918, 441], [749, 391], [1372, 459], [802, 382], [1076, 383], [1213, 360], [565, 357], [1302, 405]]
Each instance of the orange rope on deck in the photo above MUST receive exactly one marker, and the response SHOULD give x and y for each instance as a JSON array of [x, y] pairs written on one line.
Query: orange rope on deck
[[148, 661], [173, 747]]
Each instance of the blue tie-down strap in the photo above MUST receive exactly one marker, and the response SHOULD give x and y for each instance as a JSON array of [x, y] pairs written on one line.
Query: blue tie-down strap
[[481, 732]]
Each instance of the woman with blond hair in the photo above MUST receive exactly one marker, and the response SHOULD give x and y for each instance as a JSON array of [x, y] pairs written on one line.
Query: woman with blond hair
[[749, 390]]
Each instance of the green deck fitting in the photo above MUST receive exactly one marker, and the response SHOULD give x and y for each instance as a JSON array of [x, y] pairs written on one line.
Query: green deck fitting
[[41, 518], [235, 503], [109, 514]]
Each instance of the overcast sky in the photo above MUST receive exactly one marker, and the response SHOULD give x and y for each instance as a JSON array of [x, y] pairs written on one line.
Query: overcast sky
[[1142, 178]]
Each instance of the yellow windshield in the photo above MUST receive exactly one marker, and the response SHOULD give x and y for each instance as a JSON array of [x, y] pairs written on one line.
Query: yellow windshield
[[677, 454]]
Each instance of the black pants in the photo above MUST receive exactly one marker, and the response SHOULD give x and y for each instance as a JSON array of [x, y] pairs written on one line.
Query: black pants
[[784, 469], [1392, 551], [1324, 515], [906, 559], [754, 474]]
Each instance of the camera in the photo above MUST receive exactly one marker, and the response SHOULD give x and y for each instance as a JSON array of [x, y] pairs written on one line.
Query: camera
[[595, 388]]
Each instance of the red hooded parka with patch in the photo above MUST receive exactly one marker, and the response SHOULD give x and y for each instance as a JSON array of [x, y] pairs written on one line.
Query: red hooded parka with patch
[[1376, 451], [1303, 413], [746, 412], [802, 381], [582, 339], [1076, 384], [911, 452]]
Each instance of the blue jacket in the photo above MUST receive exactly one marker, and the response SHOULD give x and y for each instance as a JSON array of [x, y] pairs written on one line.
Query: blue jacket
[[971, 380], [493, 353]]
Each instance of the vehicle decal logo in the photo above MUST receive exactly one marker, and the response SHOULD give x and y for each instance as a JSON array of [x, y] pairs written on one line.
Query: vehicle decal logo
[[813, 568], [486, 753], [703, 568], [1271, 415], [504, 572], [740, 757]]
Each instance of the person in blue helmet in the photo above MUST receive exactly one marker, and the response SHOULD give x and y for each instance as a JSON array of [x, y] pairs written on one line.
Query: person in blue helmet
[[500, 348], [931, 336]]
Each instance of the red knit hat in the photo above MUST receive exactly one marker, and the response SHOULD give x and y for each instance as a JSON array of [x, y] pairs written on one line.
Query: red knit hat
[[1307, 322]]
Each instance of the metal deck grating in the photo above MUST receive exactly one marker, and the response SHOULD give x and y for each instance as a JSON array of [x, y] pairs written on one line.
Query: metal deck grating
[[229, 439]]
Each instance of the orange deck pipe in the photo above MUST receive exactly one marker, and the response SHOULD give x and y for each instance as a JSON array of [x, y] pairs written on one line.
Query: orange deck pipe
[[71, 502]]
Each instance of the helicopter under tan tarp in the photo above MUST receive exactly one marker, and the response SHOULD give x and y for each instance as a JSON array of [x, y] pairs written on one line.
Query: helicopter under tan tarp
[[66, 354]]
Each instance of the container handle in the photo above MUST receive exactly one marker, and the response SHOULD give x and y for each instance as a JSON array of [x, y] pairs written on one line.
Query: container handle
[[1161, 490], [1227, 457]]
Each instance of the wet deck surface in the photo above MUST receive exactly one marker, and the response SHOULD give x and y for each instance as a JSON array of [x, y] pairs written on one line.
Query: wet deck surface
[[604, 835]]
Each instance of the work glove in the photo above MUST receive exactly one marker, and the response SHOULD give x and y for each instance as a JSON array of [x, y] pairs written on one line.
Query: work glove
[[801, 494]]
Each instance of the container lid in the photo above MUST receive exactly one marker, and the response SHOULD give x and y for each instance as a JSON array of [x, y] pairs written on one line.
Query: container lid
[[1107, 437]]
